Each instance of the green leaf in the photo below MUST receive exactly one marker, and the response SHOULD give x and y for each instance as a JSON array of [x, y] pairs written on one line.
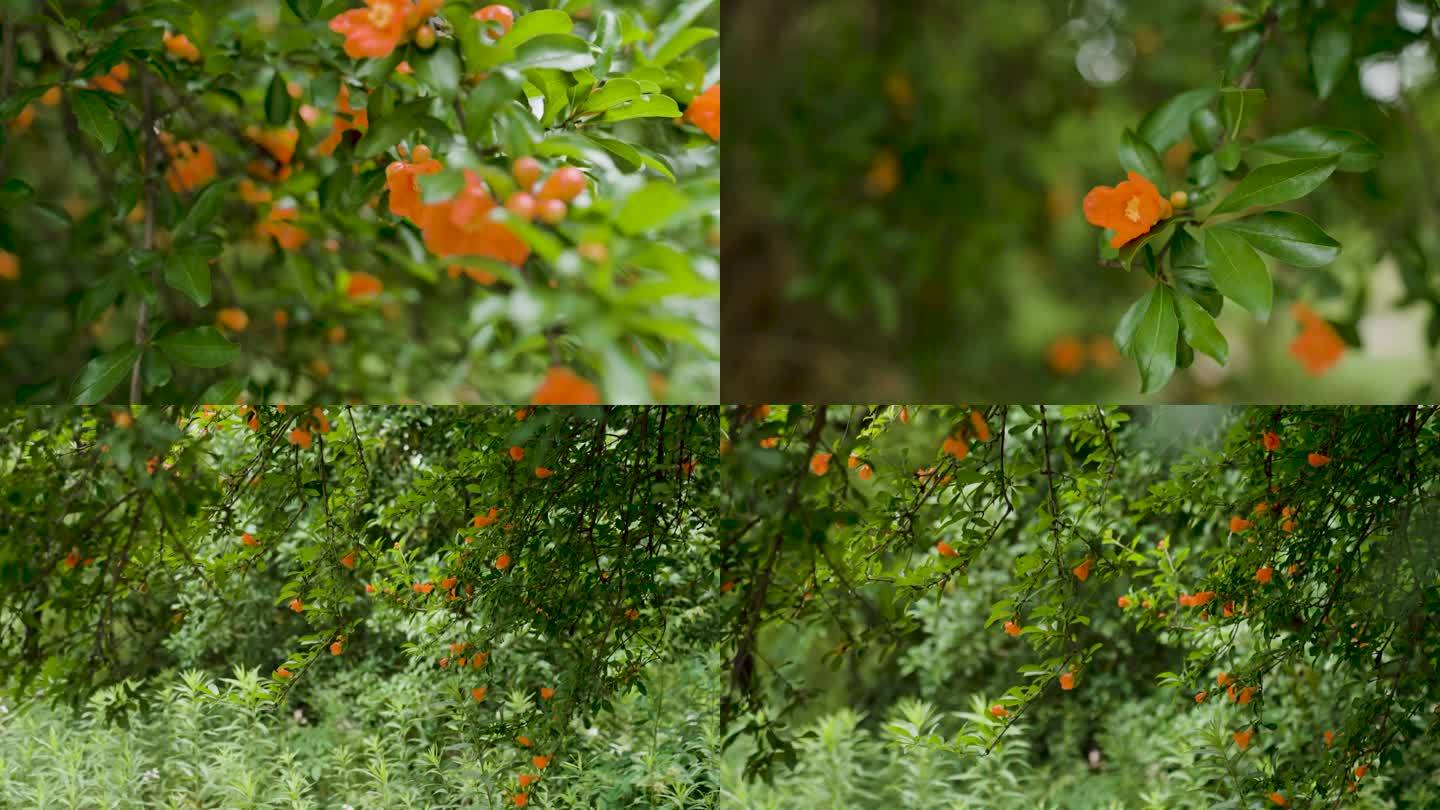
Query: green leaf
[[1147, 334], [189, 273], [1239, 272], [537, 24], [635, 155], [202, 347], [1289, 237], [1200, 331], [1277, 183], [652, 107], [679, 19], [95, 118], [1227, 157], [650, 208], [1168, 123], [441, 186], [683, 41], [1137, 155], [390, 130], [615, 91], [277, 101], [483, 100], [557, 51], [440, 71], [1156, 238], [1238, 104], [205, 209], [100, 376], [1357, 152], [1329, 55]]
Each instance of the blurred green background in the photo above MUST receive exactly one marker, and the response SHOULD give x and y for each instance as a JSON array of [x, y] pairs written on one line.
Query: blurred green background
[[976, 277]]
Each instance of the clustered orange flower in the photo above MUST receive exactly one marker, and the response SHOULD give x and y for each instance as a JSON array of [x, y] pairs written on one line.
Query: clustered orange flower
[[704, 112], [192, 164], [280, 144], [462, 225], [113, 81], [380, 27], [1318, 347], [347, 118], [1130, 209], [277, 224], [1068, 355], [9, 266]]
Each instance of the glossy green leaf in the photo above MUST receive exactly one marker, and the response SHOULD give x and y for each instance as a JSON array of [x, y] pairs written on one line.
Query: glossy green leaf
[[1156, 239], [100, 376], [652, 107], [1200, 331], [390, 130], [95, 118], [1276, 183], [650, 207], [1147, 334], [1357, 153], [1239, 272], [202, 347], [1168, 123], [1330, 53], [277, 100], [189, 273], [1288, 237], [1137, 155], [557, 51]]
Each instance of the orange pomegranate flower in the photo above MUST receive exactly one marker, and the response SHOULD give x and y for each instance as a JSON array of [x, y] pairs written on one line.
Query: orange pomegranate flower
[[424, 588], [348, 560], [282, 672], [1278, 799], [347, 118], [1228, 609], [999, 711], [562, 386], [1261, 508], [481, 521], [1329, 738], [9, 266], [1318, 347], [956, 446], [517, 453], [1201, 695], [866, 473], [770, 442], [523, 741], [277, 224], [363, 285], [72, 559], [400, 179], [982, 430], [373, 31], [853, 462], [1067, 681], [233, 319], [448, 583], [249, 539], [1264, 574], [336, 648], [1271, 440], [1130, 209], [113, 82], [704, 112], [1238, 524], [301, 438], [181, 46], [526, 779], [520, 799], [478, 693], [945, 549], [1124, 602], [546, 693], [462, 226], [1242, 738], [543, 472], [297, 605], [192, 165], [1012, 628], [502, 562], [280, 143], [1246, 695], [1317, 459], [1066, 356], [1361, 770], [820, 463], [540, 762], [1082, 571]]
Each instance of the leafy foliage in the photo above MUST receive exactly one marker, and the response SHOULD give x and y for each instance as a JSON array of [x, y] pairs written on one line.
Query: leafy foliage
[[202, 199], [1256, 580], [475, 587]]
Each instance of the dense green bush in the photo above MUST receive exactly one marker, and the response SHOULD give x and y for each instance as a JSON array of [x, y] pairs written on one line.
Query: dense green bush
[[1165, 607]]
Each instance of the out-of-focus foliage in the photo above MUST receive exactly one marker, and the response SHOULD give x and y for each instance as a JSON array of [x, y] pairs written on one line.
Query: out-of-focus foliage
[[496, 584], [911, 608], [200, 199], [910, 188]]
